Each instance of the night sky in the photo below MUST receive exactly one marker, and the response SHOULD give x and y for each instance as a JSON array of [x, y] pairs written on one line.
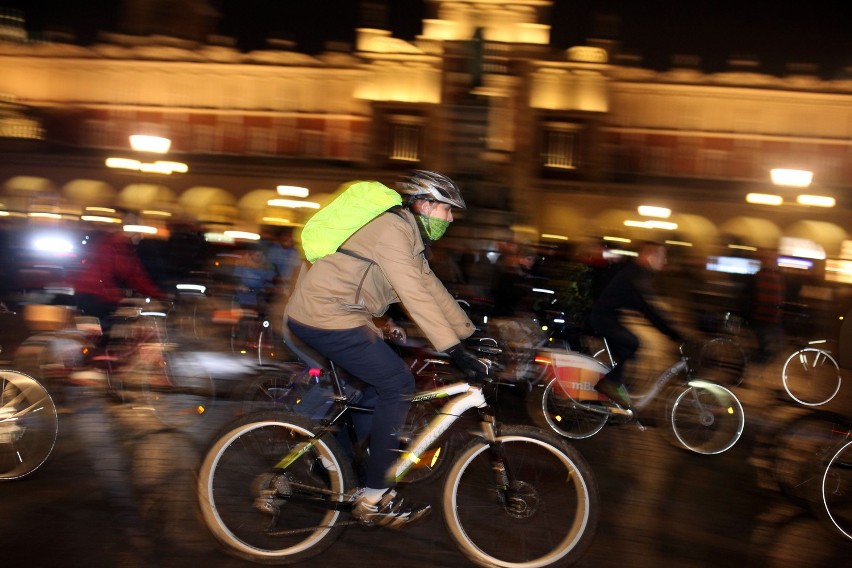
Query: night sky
[[815, 31]]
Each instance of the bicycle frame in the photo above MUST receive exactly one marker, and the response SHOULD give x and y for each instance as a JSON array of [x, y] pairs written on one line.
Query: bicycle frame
[[641, 400], [467, 396]]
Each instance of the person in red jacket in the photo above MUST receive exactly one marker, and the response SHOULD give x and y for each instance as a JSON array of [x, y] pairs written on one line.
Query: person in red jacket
[[108, 272]]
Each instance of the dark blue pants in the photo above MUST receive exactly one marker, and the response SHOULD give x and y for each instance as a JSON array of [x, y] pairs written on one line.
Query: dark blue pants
[[623, 344], [365, 355]]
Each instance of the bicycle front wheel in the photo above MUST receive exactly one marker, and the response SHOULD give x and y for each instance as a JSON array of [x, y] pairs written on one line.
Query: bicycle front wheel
[[547, 515], [273, 516], [28, 425], [836, 490], [707, 418], [568, 417], [811, 376]]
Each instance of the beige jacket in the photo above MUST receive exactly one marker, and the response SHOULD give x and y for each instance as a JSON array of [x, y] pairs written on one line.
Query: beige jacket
[[344, 292]]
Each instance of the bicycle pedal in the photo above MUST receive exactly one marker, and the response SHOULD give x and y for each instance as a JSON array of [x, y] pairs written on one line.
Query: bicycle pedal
[[620, 411]]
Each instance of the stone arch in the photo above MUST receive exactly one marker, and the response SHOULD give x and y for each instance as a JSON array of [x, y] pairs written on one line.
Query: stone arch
[[753, 231], [89, 193], [829, 235]]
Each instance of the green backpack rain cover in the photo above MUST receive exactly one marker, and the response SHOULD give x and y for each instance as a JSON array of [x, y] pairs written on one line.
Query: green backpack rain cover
[[357, 203]]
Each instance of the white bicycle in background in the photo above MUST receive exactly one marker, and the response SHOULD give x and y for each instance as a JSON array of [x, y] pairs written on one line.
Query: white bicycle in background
[[811, 375]]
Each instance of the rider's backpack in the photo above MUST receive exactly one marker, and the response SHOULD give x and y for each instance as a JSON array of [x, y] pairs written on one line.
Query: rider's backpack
[[356, 204]]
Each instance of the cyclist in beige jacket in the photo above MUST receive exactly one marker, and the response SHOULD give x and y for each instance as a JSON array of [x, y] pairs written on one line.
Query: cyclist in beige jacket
[[334, 303]]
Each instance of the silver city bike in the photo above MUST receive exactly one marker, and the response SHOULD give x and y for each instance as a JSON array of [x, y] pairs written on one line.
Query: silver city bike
[[705, 417]]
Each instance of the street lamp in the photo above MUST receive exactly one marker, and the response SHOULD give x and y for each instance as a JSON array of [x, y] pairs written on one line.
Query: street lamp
[[791, 178], [146, 143], [151, 144]]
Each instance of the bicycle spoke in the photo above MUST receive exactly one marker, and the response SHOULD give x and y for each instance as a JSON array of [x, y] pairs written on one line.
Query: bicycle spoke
[[263, 514], [545, 516]]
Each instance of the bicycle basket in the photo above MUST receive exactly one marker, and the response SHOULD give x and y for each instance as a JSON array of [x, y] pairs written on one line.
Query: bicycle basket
[[576, 374]]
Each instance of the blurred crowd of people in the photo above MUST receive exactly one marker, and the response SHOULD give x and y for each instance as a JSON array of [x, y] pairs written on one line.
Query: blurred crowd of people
[[505, 281]]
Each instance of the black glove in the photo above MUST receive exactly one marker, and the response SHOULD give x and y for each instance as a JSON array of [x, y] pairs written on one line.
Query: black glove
[[470, 364]]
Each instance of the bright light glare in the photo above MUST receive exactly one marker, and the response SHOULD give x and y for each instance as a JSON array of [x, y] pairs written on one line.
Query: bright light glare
[[53, 244], [554, 237], [764, 199], [652, 211], [794, 263], [293, 191], [147, 229], [292, 203], [816, 200], [242, 235], [213, 237], [99, 219], [158, 167], [791, 178], [145, 143], [665, 225], [742, 247], [124, 163]]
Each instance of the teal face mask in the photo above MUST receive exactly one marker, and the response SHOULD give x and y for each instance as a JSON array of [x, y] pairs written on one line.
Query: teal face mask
[[435, 228]]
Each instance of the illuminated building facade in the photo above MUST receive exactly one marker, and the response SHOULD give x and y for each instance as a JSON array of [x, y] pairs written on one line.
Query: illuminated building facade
[[565, 143]]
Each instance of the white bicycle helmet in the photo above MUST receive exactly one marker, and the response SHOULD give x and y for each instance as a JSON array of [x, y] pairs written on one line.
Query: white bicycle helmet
[[422, 184]]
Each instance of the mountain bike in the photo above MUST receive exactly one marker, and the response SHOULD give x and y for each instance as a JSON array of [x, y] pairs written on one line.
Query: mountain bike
[[277, 488], [705, 417], [29, 425]]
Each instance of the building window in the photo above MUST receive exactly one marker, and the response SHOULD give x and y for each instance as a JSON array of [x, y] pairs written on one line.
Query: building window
[[313, 143], [560, 146], [406, 134], [260, 141], [714, 163], [99, 133], [203, 138]]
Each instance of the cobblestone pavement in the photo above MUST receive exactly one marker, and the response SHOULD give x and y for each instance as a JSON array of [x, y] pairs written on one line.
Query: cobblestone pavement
[[122, 494]]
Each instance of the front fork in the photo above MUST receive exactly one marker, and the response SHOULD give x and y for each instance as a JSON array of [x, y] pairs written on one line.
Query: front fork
[[502, 483]]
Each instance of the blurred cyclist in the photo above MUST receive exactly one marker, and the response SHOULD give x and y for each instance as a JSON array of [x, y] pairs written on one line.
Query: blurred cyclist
[[630, 289], [109, 271], [334, 303]]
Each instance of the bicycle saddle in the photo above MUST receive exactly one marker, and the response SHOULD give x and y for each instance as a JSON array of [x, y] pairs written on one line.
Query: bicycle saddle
[[302, 350]]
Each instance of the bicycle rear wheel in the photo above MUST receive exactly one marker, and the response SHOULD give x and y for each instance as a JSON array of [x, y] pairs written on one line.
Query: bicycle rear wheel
[[707, 418], [836, 490], [28, 425], [546, 517], [722, 360], [811, 376], [308, 495], [568, 417], [277, 387]]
